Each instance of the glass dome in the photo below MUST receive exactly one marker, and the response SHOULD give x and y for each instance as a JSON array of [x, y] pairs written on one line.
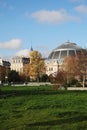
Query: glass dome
[[65, 49]]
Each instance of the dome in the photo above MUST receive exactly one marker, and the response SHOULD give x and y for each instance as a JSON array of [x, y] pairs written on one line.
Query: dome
[[65, 49]]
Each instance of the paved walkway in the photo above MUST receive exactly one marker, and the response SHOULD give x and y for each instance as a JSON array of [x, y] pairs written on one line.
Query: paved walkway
[[33, 84], [77, 88]]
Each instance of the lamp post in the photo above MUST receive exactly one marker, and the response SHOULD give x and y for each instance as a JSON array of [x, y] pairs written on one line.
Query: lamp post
[[6, 76], [6, 79]]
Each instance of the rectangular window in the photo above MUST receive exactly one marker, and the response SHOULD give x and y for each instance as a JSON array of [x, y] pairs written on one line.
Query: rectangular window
[[71, 53], [63, 54], [56, 54]]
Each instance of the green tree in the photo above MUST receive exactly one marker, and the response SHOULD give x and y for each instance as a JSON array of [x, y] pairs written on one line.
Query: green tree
[[44, 78], [13, 76]]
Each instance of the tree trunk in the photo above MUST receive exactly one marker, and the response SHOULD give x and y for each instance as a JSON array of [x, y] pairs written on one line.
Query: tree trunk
[[83, 81]]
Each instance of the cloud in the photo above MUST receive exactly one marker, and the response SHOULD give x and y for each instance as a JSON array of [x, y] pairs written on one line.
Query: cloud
[[12, 44], [54, 16], [81, 9], [24, 53]]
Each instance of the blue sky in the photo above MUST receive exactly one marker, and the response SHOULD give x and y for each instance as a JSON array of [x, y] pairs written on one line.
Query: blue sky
[[42, 24]]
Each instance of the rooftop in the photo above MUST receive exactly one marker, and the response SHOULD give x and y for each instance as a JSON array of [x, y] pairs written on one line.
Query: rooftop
[[68, 45]]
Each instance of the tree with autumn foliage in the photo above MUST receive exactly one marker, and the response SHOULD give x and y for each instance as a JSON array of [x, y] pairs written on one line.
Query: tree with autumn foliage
[[83, 64], [4, 70], [71, 66], [25, 73], [74, 67], [2, 73], [36, 67], [59, 80]]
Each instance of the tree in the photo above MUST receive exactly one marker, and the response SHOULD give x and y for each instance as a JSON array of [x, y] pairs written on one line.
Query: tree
[[25, 73], [13, 76], [36, 67], [83, 63], [2, 73], [44, 78], [59, 79], [74, 66]]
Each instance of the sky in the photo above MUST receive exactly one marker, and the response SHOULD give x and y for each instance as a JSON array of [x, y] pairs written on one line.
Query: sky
[[41, 24]]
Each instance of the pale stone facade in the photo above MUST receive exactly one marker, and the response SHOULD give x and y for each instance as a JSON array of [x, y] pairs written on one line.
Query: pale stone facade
[[18, 63], [52, 66]]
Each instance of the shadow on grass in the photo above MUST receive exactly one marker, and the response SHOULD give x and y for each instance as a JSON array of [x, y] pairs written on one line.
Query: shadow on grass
[[34, 91], [7, 93], [61, 121]]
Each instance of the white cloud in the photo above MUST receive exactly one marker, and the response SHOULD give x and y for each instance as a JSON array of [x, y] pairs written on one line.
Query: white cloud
[[54, 16], [24, 53], [81, 9], [12, 44]]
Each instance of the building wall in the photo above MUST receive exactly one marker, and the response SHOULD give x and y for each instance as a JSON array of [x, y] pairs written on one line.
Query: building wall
[[52, 66], [18, 63], [4, 69]]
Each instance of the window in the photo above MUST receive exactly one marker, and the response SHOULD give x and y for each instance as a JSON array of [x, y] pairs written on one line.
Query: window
[[63, 54], [51, 55], [50, 69], [56, 54], [72, 53]]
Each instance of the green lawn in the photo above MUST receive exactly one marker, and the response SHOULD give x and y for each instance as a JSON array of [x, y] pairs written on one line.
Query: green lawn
[[41, 108]]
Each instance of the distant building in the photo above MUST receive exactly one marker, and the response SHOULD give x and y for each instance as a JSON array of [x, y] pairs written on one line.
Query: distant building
[[57, 56], [4, 69], [18, 62], [4, 63]]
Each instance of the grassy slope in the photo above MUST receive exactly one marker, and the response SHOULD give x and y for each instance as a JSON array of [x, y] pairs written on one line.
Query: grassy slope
[[41, 108]]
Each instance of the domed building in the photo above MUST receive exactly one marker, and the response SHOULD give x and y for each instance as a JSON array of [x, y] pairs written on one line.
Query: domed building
[[57, 56]]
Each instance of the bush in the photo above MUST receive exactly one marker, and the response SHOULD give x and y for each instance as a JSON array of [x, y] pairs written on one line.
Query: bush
[[74, 82], [44, 78]]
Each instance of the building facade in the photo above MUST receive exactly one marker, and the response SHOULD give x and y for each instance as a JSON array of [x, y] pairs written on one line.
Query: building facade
[[18, 62], [4, 69], [57, 56]]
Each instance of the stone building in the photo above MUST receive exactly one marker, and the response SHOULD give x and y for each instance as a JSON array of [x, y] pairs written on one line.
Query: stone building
[[4, 69], [57, 56], [18, 62]]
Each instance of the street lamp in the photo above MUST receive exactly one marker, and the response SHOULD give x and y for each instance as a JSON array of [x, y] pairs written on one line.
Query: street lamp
[[6, 79]]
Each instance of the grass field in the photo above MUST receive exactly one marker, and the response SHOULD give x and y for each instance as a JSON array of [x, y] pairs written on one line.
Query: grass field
[[41, 108]]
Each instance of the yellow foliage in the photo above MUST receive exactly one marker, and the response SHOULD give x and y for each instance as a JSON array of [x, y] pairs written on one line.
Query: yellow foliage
[[36, 67]]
